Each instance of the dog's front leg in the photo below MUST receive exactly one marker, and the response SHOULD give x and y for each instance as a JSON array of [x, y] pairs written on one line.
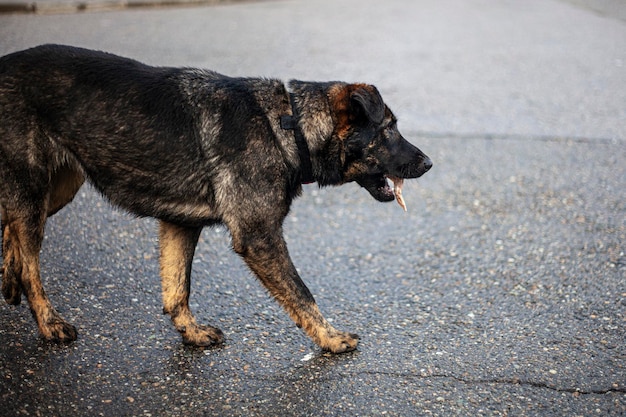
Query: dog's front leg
[[267, 256], [177, 247]]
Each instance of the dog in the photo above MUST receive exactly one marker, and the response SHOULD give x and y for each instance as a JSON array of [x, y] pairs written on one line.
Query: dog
[[191, 148]]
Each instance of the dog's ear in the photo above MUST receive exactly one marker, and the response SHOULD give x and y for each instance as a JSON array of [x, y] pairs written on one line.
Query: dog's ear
[[369, 100]]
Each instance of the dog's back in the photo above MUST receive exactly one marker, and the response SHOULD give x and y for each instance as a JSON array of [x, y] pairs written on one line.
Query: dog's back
[[145, 136]]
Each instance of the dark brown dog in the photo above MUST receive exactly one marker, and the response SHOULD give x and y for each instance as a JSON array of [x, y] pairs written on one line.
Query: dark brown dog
[[191, 148]]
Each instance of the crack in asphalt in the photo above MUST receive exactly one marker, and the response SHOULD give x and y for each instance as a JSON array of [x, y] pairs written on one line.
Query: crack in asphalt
[[506, 381], [468, 381]]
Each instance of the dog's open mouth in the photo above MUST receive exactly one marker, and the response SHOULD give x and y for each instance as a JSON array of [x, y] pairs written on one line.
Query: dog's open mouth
[[379, 188]]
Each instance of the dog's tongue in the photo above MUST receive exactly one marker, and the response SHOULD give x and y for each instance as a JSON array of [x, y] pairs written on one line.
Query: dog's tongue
[[397, 190]]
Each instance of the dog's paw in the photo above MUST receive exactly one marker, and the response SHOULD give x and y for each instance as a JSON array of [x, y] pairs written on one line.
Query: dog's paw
[[197, 335], [58, 331], [339, 342]]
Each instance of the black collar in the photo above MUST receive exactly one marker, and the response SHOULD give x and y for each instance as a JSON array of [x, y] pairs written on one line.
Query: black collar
[[288, 122]]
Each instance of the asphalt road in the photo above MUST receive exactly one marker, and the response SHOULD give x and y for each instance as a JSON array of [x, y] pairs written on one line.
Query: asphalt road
[[501, 292]]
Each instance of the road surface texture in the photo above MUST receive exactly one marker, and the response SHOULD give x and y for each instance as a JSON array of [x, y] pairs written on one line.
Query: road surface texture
[[501, 292]]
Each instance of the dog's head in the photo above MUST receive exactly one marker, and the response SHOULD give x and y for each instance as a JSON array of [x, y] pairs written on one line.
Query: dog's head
[[371, 147]]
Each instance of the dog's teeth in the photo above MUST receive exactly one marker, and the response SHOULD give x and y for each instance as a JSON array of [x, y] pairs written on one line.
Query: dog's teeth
[[397, 191]]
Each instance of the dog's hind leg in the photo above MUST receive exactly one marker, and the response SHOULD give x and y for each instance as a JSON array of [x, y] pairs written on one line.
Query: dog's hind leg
[[26, 234], [177, 247], [22, 233], [265, 252]]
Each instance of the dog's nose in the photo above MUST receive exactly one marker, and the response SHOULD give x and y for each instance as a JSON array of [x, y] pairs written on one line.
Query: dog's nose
[[427, 164]]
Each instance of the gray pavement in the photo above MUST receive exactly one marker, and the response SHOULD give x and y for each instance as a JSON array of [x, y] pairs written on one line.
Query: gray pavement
[[501, 292]]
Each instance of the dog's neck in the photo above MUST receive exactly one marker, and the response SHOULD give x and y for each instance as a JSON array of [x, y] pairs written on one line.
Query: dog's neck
[[314, 119], [291, 123]]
